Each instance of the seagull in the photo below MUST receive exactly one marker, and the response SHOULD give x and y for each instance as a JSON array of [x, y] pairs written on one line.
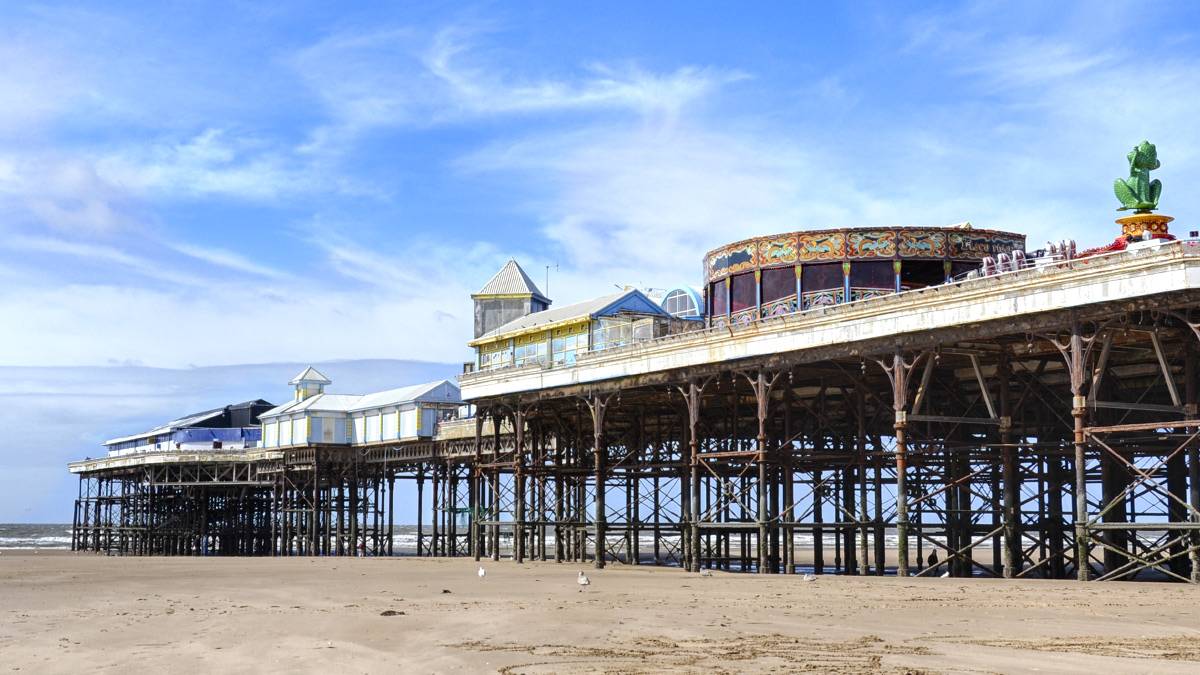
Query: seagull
[[482, 572], [706, 573], [809, 577], [583, 581], [946, 574]]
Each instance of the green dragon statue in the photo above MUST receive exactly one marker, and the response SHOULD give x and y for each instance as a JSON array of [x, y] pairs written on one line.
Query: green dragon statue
[[1138, 192]]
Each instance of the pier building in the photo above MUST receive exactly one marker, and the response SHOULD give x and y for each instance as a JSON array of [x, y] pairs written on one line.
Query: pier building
[[315, 417], [781, 274], [235, 426], [559, 336]]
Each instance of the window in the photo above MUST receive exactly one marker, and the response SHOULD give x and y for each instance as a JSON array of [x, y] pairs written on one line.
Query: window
[[680, 303], [921, 273], [530, 349], [960, 268], [646, 329], [873, 274], [742, 293], [716, 291], [495, 355], [567, 343], [611, 332], [821, 277], [777, 283]]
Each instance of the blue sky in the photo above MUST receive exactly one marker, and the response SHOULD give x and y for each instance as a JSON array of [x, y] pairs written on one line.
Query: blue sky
[[195, 185]]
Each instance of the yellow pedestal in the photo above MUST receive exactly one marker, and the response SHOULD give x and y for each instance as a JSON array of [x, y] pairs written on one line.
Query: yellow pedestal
[[1135, 225]]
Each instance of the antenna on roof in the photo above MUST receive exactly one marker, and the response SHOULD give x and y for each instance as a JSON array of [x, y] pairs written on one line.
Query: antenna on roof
[[548, 277]]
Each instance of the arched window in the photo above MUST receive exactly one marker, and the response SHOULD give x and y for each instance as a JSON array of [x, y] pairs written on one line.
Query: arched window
[[681, 303]]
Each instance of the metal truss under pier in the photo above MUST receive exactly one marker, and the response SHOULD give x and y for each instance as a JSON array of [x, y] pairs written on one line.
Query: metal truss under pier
[[1041, 424]]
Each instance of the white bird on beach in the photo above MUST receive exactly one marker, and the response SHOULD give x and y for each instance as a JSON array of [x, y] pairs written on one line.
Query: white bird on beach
[[583, 581], [810, 577], [482, 573], [706, 573]]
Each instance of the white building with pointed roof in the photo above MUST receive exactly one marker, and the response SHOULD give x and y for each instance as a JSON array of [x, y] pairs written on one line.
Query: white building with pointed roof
[[317, 418], [309, 382]]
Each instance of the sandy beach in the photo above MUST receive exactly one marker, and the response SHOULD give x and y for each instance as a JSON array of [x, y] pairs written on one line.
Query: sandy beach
[[64, 612]]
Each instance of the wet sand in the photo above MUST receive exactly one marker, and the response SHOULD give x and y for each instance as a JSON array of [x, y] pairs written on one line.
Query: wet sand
[[62, 612]]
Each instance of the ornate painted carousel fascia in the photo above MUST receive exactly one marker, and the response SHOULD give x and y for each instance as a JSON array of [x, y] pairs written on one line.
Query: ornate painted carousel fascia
[[845, 244]]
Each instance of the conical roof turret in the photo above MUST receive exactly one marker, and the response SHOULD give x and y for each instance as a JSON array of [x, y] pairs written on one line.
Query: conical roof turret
[[510, 281]]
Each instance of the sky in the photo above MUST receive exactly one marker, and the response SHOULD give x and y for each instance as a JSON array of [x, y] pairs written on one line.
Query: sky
[[187, 186]]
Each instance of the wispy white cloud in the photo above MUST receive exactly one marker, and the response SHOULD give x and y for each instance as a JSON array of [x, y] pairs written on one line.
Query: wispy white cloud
[[395, 77], [478, 90], [209, 164], [229, 260], [109, 259]]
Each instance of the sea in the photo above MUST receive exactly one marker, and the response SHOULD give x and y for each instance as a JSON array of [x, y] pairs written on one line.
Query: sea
[[35, 535], [58, 536]]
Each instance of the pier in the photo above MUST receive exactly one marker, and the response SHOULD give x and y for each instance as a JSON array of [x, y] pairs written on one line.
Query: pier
[[1038, 422]]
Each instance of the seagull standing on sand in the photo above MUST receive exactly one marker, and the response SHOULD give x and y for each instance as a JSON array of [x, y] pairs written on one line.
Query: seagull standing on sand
[[482, 573], [810, 577], [583, 581]]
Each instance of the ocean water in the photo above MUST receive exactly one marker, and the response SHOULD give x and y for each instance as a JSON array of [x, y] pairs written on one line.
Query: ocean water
[[36, 535], [58, 536]]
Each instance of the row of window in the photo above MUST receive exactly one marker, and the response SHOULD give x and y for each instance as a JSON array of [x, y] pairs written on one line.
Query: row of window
[[564, 347], [780, 282]]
